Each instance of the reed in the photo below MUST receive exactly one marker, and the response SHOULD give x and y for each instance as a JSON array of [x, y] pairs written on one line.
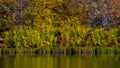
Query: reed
[[66, 35]]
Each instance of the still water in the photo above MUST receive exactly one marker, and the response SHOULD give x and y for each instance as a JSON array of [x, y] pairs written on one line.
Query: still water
[[59, 61]]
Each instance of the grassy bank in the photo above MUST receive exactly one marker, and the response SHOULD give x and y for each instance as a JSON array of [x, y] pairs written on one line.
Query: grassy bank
[[66, 38]]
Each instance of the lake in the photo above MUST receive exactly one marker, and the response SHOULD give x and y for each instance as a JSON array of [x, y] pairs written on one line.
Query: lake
[[60, 61]]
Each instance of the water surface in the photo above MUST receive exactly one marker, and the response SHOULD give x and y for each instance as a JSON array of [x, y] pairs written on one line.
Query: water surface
[[59, 61]]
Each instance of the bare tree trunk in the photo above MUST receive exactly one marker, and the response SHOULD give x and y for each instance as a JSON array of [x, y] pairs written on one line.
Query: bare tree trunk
[[20, 3], [21, 13], [91, 13], [101, 12], [107, 13]]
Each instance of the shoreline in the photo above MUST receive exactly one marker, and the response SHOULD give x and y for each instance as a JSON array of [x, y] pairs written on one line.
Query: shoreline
[[62, 50]]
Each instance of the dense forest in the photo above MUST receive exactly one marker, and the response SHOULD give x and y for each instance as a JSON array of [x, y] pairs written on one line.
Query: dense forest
[[35, 23]]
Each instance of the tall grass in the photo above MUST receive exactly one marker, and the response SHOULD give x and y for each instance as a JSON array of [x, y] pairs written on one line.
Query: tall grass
[[67, 33]]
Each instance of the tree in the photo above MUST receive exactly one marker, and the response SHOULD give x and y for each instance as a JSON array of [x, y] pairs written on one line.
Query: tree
[[104, 13], [12, 12]]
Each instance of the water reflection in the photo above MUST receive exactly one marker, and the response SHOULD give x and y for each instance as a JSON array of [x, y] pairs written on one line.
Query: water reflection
[[59, 61]]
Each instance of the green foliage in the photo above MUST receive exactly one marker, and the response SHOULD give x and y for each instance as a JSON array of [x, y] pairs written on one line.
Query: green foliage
[[52, 23], [71, 35]]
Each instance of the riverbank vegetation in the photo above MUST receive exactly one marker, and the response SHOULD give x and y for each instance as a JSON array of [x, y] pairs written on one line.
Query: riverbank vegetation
[[67, 35], [58, 23]]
